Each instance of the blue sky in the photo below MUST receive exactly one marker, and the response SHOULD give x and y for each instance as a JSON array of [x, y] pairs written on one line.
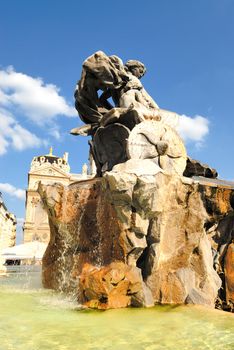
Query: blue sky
[[186, 45]]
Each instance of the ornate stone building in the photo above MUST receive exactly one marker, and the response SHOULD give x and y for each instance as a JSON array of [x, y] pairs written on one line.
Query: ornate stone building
[[46, 169], [7, 228]]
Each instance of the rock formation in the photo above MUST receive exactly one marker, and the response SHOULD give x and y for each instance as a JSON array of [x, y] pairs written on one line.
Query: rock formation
[[139, 233], [134, 238], [229, 276]]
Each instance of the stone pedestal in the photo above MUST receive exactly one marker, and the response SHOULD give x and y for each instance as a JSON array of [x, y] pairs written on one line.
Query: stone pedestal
[[138, 221]]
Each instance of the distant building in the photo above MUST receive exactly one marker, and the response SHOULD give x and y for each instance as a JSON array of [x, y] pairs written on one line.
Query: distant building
[[7, 228], [47, 169]]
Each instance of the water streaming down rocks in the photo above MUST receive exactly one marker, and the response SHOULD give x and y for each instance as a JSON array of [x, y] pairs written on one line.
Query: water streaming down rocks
[[144, 230], [127, 239]]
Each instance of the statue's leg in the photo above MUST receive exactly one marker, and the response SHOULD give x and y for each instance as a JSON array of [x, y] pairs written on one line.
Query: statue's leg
[[112, 116], [84, 130], [94, 155]]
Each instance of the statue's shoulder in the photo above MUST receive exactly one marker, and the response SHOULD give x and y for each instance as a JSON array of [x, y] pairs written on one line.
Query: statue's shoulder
[[133, 83]]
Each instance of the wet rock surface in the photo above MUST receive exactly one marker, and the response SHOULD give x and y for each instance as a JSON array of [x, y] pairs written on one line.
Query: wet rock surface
[[113, 286], [142, 216], [156, 228], [229, 276]]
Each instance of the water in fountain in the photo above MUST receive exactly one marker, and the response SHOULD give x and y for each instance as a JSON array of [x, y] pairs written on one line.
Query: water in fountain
[[33, 318]]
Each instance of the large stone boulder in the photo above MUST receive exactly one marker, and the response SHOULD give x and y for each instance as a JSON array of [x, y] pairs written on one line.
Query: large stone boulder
[[113, 286], [229, 276], [134, 237]]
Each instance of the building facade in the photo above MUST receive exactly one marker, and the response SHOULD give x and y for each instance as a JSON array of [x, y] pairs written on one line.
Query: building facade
[[47, 169], [7, 228]]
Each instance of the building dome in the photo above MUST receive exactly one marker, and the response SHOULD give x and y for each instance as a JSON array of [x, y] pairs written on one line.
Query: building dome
[[61, 162]]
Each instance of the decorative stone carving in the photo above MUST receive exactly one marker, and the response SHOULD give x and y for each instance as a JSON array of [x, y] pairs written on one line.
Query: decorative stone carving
[[99, 72], [106, 76], [132, 105], [109, 146], [84, 170], [158, 142]]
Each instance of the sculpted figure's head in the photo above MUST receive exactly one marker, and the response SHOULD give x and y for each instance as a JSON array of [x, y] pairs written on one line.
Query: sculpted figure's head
[[137, 68]]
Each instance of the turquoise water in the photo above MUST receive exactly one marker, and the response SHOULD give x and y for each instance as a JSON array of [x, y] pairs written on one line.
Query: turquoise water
[[37, 319]]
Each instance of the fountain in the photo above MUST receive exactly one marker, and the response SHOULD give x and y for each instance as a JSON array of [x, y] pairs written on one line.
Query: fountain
[[146, 229], [154, 227]]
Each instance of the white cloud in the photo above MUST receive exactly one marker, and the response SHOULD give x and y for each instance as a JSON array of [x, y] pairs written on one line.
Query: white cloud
[[14, 135], [12, 190], [55, 133], [3, 144], [24, 139], [193, 129], [40, 102]]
